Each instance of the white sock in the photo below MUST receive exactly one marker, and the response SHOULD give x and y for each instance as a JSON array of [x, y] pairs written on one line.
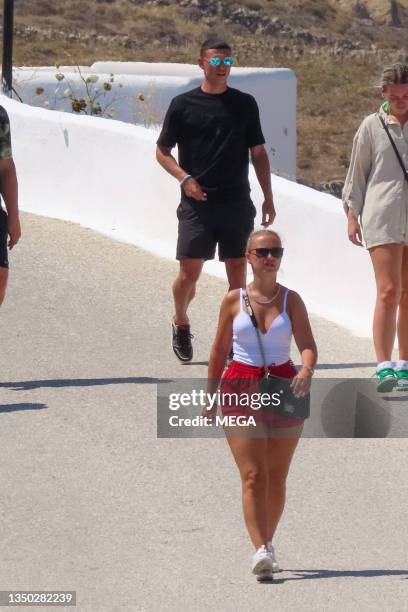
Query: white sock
[[385, 364], [401, 364], [261, 548]]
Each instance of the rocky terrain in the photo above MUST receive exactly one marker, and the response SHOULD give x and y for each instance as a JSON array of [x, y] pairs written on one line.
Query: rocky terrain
[[335, 25], [336, 47]]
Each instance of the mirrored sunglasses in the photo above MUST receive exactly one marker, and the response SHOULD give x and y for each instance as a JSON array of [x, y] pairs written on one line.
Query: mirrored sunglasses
[[216, 61]]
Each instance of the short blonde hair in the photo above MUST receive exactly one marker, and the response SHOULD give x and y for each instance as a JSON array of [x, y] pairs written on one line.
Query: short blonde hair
[[263, 232]]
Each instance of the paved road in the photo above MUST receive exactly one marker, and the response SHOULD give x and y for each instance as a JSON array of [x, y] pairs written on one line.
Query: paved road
[[92, 501]]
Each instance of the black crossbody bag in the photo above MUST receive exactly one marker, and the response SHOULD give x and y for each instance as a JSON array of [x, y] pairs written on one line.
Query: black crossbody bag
[[275, 386], [394, 146]]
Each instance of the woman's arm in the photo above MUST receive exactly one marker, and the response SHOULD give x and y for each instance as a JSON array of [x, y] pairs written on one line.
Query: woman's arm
[[221, 345], [355, 186], [9, 191], [302, 332], [354, 229]]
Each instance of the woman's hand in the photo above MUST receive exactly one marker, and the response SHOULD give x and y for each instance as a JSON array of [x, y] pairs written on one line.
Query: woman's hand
[[210, 413], [354, 229], [301, 383]]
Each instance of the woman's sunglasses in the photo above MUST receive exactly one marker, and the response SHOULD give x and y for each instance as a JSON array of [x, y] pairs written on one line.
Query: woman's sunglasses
[[263, 252], [216, 61]]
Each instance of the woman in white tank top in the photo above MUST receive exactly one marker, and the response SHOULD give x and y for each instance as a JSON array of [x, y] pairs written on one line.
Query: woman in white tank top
[[263, 461]]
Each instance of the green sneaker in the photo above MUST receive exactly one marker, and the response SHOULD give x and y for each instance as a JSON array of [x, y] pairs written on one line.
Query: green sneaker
[[402, 380], [387, 380]]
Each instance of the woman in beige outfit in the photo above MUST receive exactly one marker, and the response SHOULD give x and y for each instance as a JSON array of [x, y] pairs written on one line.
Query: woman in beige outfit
[[375, 198]]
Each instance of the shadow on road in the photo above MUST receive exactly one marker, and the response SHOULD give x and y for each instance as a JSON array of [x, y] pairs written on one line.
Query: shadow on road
[[316, 574], [401, 398], [320, 366], [344, 366], [27, 385], [190, 363], [14, 407]]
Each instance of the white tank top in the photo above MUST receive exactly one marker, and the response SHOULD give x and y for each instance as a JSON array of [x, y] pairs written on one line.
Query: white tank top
[[276, 341]]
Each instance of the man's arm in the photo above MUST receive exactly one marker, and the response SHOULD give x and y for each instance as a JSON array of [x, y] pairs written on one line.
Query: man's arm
[[191, 187], [9, 191], [169, 163], [260, 160]]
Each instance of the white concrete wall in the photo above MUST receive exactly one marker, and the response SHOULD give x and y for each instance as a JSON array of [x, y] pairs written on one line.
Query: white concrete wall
[[274, 89], [103, 175]]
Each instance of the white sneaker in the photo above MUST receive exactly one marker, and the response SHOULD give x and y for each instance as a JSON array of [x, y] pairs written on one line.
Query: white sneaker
[[262, 565], [275, 564]]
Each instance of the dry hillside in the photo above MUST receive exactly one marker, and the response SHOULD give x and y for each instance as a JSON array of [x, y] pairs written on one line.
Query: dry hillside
[[336, 47]]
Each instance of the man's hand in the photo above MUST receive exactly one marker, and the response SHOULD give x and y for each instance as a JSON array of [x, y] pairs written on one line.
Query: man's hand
[[193, 190], [354, 229], [268, 213], [14, 231]]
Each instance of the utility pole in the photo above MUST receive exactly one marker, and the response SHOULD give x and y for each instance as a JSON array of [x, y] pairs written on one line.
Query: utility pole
[[7, 64]]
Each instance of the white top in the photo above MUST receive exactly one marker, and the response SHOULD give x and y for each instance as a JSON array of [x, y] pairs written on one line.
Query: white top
[[375, 186], [275, 343]]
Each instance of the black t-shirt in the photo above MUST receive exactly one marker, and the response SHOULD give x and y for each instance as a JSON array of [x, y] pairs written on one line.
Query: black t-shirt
[[214, 133]]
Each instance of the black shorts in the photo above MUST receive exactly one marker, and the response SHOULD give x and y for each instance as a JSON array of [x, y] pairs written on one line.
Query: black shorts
[[203, 225], [3, 239]]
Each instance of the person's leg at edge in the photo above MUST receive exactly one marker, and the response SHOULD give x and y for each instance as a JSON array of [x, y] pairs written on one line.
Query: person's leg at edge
[[236, 272], [235, 225], [3, 283], [232, 246], [184, 288], [249, 455], [280, 452], [387, 262], [402, 325]]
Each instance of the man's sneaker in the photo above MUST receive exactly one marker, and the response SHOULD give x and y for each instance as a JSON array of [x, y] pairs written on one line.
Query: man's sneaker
[[386, 380], [182, 346], [402, 380], [262, 565], [275, 564]]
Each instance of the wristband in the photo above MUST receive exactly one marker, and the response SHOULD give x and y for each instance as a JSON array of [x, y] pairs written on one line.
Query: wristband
[[185, 179], [311, 370]]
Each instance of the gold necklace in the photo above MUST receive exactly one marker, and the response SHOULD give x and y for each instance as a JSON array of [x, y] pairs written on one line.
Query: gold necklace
[[268, 301]]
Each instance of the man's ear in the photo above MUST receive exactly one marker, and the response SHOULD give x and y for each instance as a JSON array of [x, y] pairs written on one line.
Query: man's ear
[[200, 62]]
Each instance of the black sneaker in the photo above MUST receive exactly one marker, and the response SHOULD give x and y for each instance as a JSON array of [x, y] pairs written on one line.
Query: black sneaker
[[182, 346]]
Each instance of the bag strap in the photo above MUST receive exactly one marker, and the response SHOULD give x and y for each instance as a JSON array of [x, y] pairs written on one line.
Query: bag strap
[[394, 146], [255, 324]]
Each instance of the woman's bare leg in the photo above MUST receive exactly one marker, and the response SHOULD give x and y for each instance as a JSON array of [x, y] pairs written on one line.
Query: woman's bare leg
[[387, 262], [280, 452], [250, 457], [402, 325]]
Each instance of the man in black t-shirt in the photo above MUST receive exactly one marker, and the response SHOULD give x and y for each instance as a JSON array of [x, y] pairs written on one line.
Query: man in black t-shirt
[[215, 128]]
